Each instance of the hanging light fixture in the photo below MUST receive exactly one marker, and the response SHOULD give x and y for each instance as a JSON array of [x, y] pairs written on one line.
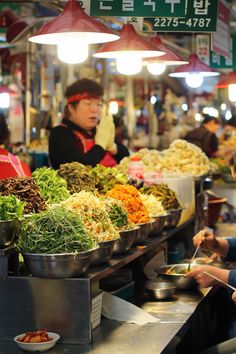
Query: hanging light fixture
[[129, 51], [194, 72], [229, 82], [156, 65], [5, 93], [72, 31]]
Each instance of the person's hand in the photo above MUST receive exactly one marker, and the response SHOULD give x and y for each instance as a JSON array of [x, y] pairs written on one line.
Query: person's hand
[[112, 148], [198, 273], [206, 239], [104, 131], [234, 297]]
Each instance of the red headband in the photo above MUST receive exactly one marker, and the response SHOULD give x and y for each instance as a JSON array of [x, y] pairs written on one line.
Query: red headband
[[80, 96]]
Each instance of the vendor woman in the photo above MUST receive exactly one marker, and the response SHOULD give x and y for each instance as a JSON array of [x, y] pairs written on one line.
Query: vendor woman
[[79, 137]]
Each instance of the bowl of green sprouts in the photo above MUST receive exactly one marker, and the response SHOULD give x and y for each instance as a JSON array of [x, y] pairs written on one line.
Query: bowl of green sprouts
[[11, 212]]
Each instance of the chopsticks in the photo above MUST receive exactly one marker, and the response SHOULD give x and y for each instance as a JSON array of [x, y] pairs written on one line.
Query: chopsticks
[[193, 256], [221, 281]]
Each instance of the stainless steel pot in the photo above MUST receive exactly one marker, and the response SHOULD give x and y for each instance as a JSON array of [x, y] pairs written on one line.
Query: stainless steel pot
[[177, 276], [103, 253], [173, 218], [157, 225], [8, 231], [143, 233], [64, 265], [160, 290], [126, 240]]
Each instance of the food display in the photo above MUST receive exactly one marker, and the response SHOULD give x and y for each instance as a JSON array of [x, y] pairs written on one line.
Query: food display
[[78, 177], [56, 230], [181, 158], [11, 208], [117, 214], [130, 198], [26, 190], [153, 205], [164, 194], [35, 337], [107, 177], [93, 214], [53, 188]]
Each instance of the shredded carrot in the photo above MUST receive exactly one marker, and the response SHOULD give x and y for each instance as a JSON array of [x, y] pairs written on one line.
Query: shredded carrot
[[132, 202]]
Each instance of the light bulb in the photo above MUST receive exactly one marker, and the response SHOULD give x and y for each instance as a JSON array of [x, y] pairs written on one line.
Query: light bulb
[[156, 68], [4, 100], [113, 107], [72, 52], [129, 63], [194, 80], [232, 92]]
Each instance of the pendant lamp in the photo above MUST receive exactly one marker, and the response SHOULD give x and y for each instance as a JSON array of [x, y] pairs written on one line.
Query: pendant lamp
[[194, 72], [156, 65], [72, 31], [129, 50], [229, 82]]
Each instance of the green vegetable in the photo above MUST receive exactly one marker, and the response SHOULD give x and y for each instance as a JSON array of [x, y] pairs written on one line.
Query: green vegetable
[[10, 208], [56, 230], [117, 213], [164, 194], [52, 187], [107, 177]]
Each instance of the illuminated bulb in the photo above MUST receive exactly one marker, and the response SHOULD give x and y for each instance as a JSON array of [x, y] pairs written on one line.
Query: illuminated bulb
[[228, 115], [129, 63], [184, 107], [198, 117], [232, 92], [194, 80], [113, 107], [156, 68], [71, 52], [223, 106], [153, 99], [4, 100]]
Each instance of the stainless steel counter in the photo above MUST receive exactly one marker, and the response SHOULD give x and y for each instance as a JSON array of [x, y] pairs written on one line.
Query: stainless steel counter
[[113, 337]]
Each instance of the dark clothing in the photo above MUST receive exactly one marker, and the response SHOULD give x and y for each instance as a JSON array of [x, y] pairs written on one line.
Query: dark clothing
[[204, 139], [64, 147]]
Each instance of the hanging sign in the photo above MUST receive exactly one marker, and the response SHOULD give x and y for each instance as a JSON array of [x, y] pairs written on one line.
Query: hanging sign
[[201, 16], [221, 38], [203, 47], [138, 8], [218, 61]]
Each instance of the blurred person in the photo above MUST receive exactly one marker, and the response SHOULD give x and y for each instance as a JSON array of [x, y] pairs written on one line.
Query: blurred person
[[10, 165], [205, 135], [79, 137]]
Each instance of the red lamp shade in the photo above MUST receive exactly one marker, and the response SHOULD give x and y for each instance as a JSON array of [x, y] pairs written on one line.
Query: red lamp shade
[[169, 58], [130, 41], [73, 21], [229, 79], [195, 66]]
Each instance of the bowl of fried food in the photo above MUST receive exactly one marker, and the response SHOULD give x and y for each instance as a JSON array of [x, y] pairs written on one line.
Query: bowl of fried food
[[174, 273], [38, 341]]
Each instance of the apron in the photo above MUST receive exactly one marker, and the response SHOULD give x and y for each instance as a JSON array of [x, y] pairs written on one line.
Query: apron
[[15, 163], [107, 161]]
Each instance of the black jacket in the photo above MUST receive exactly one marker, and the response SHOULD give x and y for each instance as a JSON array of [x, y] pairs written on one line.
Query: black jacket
[[64, 148], [204, 139]]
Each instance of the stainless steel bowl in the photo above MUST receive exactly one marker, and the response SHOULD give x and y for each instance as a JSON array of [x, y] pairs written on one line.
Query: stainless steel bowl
[[8, 231], [126, 240], [177, 276], [143, 233], [103, 253], [65, 265], [173, 218], [157, 225], [205, 260], [160, 290]]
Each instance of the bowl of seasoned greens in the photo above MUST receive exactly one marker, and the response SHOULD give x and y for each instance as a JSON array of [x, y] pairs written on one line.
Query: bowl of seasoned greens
[[55, 243], [11, 211]]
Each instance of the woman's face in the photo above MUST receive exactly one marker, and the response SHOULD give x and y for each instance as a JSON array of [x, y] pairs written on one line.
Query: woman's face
[[86, 113]]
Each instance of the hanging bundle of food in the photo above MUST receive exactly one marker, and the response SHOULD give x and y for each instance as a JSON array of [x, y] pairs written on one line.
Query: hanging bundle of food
[[164, 194], [57, 230], [52, 187], [78, 177], [117, 214], [130, 198], [107, 177], [153, 205], [94, 215], [11, 208], [26, 190]]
